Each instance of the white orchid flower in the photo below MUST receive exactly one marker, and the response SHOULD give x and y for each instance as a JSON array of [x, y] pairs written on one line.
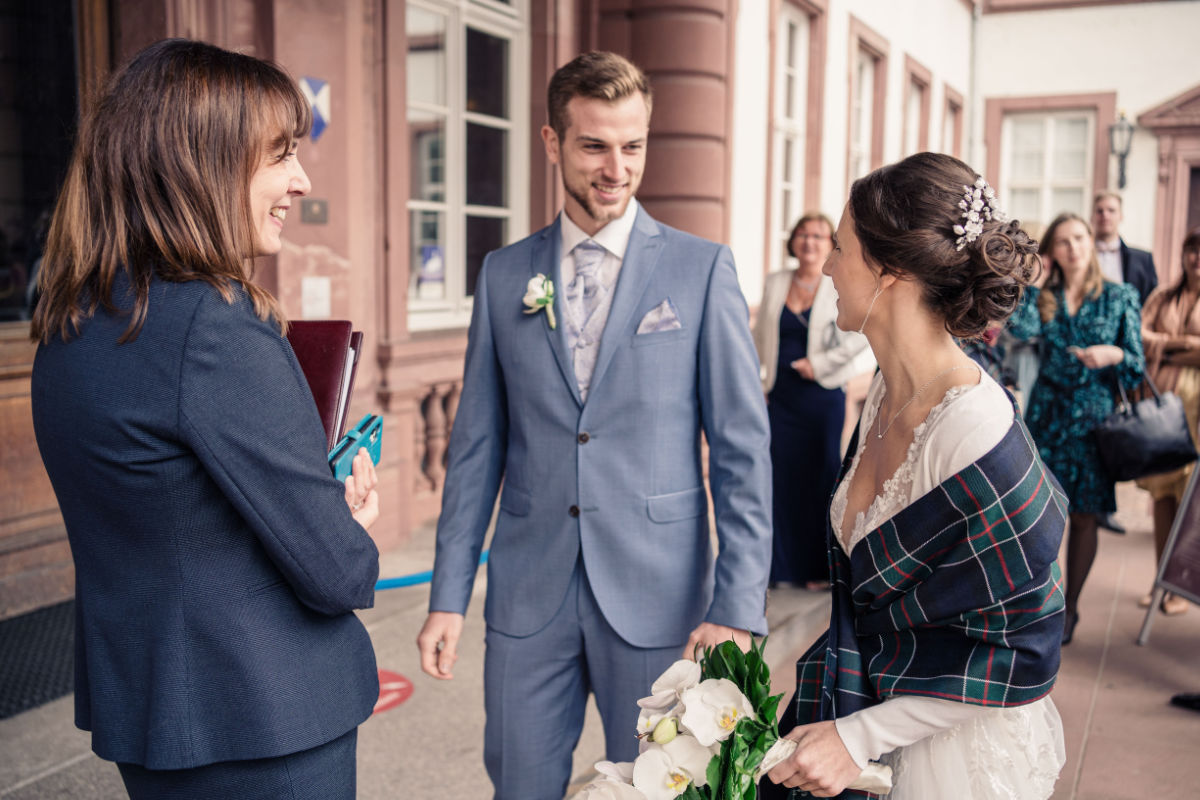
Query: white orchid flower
[[666, 691], [609, 790], [713, 709], [648, 719], [653, 723], [664, 771], [619, 771], [666, 730]]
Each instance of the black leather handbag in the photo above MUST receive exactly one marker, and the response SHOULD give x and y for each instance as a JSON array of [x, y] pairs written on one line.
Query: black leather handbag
[[1146, 437]]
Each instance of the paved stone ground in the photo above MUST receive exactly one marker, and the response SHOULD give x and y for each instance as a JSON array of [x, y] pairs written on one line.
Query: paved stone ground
[[1123, 739]]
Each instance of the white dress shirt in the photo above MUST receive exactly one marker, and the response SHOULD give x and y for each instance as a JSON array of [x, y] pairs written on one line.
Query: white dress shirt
[[613, 237], [1110, 261]]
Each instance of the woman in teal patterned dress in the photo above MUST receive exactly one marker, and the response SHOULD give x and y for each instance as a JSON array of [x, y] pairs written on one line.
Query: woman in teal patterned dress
[[1090, 329]]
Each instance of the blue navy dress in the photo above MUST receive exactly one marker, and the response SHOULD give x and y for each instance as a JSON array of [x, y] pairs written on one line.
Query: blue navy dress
[[1069, 400], [806, 433]]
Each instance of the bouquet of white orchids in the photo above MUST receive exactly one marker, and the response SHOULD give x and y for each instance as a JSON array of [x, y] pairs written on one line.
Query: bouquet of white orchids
[[706, 732]]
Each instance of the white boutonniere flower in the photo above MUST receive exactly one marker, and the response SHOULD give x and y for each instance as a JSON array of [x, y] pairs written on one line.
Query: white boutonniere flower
[[539, 296]]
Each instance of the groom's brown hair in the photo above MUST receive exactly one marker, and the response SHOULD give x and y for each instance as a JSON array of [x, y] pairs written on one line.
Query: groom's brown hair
[[600, 75]]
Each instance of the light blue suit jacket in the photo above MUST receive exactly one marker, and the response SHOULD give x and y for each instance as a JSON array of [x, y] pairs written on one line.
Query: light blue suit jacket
[[618, 479]]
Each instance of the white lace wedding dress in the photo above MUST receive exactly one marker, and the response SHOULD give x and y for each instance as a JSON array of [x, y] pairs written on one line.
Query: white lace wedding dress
[[940, 749]]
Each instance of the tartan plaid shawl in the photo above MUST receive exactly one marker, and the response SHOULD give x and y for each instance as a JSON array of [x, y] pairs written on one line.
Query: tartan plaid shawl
[[958, 596]]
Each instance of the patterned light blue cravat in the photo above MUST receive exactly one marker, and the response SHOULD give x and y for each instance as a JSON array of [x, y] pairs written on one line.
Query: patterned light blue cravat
[[584, 295], [583, 292]]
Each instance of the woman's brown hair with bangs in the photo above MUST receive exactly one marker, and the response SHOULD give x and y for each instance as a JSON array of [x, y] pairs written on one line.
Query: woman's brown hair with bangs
[[1093, 282], [159, 182]]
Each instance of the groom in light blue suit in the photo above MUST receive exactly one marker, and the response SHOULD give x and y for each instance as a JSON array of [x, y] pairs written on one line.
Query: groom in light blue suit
[[590, 409]]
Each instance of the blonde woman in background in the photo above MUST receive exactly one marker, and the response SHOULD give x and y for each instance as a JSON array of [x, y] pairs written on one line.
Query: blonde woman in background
[[1091, 335], [805, 363], [1171, 338]]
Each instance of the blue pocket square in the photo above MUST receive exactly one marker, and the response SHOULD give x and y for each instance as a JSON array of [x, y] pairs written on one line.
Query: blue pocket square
[[660, 318]]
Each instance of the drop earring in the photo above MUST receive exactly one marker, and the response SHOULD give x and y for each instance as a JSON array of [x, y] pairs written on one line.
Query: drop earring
[[867, 316]]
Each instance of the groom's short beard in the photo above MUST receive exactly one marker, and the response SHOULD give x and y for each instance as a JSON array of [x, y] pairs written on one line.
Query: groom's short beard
[[595, 213]]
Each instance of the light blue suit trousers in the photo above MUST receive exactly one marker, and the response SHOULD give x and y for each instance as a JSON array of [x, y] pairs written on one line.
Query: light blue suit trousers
[[604, 508]]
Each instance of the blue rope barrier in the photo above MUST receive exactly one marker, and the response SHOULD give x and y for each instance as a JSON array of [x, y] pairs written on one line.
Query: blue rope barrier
[[416, 578]]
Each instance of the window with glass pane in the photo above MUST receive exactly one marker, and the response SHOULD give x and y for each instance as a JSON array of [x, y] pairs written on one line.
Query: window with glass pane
[[426, 63], [1026, 204], [462, 92], [425, 71], [1028, 149], [427, 278], [1070, 148], [912, 117], [427, 137], [1047, 163], [486, 157], [484, 234], [1069, 200], [790, 127], [487, 74], [861, 114], [38, 101], [949, 128]]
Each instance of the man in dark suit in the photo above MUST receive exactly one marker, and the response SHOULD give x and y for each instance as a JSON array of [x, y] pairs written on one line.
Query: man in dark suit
[[588, 397], [1120, 263]]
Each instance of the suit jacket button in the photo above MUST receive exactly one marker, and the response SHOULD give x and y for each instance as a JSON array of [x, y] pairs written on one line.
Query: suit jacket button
[[573, 511], [583, 438]]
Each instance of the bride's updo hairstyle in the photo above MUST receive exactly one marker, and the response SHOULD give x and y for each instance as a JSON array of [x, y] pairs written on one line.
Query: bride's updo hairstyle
[[905, 216]]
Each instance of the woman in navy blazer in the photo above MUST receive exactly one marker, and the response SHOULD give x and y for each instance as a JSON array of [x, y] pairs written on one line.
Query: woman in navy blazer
[[218, 562]]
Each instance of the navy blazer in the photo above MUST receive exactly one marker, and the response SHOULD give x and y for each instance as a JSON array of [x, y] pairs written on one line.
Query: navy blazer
[[1137, 268], [216, 561]]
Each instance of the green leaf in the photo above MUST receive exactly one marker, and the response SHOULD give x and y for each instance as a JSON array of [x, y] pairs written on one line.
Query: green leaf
[[737, 660], [713, 773], [731, 773], [769, 710], [713, 665]]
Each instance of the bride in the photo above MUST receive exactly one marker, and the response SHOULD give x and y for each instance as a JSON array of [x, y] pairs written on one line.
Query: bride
[[945, 525]]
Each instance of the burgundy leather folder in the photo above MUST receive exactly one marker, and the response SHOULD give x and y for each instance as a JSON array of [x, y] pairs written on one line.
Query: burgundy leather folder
[[328, 353]]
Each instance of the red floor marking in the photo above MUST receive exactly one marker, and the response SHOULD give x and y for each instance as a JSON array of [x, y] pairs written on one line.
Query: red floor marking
[[394, 689]]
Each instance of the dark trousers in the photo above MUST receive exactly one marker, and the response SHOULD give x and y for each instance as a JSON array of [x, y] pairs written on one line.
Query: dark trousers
[[326, 772]]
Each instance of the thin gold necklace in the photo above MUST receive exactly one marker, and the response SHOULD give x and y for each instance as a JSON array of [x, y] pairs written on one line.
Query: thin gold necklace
[[880, 434]]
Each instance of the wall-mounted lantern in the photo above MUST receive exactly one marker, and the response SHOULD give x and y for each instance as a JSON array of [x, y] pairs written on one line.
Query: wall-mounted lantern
[[1120, 139]]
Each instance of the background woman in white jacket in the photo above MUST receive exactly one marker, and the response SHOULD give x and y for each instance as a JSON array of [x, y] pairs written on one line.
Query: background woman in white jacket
[[805, 361]]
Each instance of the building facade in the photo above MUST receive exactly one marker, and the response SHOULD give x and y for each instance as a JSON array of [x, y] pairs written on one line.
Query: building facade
[[427, 155]]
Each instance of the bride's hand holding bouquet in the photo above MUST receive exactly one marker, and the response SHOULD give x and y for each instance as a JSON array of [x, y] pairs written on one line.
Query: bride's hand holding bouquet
[[705, 729], [709, 732]]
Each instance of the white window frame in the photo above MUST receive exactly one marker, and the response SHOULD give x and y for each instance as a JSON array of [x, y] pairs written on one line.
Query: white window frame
[[507, 21], [913, 103], [862, 113], [951, 122], [791, 130], [1047, 185]]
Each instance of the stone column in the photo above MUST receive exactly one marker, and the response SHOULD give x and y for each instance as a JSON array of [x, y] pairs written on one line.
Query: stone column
[[685, 48]]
